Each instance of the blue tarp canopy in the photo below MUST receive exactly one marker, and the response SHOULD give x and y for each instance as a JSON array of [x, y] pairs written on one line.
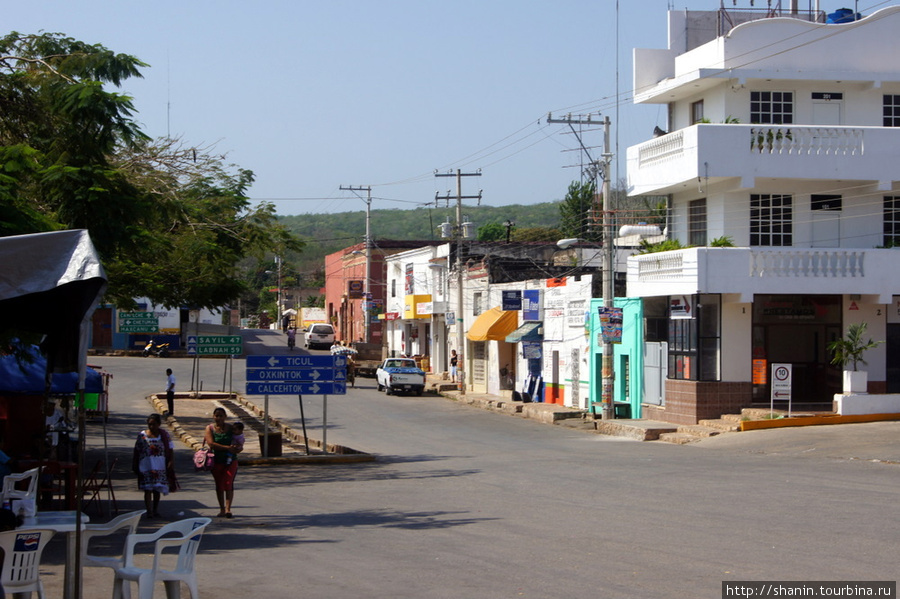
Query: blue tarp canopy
[[28, 378]]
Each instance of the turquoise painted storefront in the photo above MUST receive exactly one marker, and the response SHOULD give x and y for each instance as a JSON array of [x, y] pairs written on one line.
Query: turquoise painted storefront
[[628, 360]]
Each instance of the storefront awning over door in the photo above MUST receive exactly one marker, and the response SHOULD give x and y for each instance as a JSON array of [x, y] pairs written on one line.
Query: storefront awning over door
[[493, 325], [530, 331]]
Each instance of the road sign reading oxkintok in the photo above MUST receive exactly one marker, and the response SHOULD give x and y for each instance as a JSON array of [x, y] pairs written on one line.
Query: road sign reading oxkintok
[[209, 345], [138, 322], [296, 375]]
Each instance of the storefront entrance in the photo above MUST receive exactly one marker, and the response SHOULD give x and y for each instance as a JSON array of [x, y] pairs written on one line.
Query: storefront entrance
[[796, 329]]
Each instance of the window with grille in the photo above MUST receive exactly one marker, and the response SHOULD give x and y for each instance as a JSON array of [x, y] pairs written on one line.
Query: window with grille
[[891, 110], [892, 221], [771, 108], [697, 222], [695, 336], [477, 303], [771, 220]]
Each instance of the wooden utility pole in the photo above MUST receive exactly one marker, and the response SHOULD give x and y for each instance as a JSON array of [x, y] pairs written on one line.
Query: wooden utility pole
[[459, 234], [367, 300]]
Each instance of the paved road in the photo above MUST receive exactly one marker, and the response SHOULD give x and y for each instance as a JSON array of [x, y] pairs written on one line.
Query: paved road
[[469, 504]]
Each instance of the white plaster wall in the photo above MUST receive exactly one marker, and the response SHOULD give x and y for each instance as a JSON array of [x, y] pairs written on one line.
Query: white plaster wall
[[875, 315], [737, 332]]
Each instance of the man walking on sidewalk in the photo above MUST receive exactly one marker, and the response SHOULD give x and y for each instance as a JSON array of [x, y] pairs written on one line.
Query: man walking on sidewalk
[[170, 391]]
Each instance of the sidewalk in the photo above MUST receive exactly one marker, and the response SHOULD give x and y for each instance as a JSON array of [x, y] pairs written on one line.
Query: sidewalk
[[869, 441]]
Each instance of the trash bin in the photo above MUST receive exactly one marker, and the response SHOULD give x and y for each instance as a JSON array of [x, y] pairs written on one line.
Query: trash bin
[[623, 410], [274, 445]]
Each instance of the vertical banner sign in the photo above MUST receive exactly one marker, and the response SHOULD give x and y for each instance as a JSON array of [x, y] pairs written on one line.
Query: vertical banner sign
[[610, 324], [531, 305]]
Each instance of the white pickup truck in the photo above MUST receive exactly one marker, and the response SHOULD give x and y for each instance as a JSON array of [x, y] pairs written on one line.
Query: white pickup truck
[[400, 374]]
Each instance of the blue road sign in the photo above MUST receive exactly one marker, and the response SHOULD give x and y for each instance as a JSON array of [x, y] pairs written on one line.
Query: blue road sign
[[326, 361], [309, 375], [296, 375], [296, 388]]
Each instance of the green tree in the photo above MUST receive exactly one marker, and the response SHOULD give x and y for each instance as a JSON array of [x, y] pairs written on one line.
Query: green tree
[[576, 216], [169, 222], [492, 232]]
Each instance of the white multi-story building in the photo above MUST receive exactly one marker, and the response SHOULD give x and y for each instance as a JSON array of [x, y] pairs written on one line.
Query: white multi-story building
[[783, 135]]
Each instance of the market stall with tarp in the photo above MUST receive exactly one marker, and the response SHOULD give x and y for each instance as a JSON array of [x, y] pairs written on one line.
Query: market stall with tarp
[[50, 285]]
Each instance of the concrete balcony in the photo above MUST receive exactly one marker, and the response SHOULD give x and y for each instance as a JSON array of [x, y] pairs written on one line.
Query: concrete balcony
[[748, 271], [715, 152]]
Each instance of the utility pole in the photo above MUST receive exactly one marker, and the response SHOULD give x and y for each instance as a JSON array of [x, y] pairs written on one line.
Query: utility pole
[[460, 334], [368, 241], [601, 168]]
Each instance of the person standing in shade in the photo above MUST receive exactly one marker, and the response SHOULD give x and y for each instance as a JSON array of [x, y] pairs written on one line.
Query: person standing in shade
[[170, 391], [454, 364], [153, 463]]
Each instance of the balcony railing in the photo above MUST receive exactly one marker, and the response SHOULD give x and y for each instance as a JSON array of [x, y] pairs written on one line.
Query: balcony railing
[[749, 271], [808, 263], [813, 141]]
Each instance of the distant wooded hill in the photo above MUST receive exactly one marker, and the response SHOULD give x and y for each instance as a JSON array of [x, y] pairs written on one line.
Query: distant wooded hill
[[327, 233]]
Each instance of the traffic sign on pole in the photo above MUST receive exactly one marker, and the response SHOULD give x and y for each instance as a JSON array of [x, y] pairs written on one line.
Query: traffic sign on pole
[[296, 375], [138, 322], [209, 345]]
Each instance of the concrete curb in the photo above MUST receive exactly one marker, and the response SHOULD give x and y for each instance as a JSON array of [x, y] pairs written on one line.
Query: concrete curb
[[337, 454]]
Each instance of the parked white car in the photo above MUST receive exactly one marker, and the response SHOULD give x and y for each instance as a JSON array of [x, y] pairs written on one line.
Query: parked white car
[[400, 374], [319, 335]]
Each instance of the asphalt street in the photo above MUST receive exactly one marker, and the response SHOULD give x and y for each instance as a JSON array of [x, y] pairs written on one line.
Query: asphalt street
[[465, 503]]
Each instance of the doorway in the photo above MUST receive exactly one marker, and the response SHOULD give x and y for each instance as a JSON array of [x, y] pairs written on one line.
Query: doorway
[[796, 330]]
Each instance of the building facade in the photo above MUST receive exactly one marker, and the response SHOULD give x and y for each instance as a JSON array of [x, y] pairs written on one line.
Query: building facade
[[781, 136]]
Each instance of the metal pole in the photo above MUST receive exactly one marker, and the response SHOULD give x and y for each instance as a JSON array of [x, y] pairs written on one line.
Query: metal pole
[[325, 424], [278, 307], [460, 334], [266, 428], [368, 296], [608, 376]]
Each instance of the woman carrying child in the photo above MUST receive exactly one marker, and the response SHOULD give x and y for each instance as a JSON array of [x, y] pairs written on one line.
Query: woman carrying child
[[220, 437]]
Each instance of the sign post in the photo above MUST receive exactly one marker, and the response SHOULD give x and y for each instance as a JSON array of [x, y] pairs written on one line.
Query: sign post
[[781, 385], [138, 322], [297, 375]]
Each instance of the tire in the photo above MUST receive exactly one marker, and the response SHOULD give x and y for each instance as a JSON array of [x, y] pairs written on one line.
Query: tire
[[419, 392], [388, 391], [379, 387]]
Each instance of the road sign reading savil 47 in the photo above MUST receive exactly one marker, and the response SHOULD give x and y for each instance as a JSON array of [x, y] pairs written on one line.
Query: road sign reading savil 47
[[296, 375]]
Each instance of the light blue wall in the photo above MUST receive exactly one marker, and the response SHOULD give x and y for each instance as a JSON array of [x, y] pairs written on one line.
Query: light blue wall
[[632, 346]]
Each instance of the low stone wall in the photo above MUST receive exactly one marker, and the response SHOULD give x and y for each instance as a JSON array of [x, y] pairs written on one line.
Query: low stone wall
[[853, 404]]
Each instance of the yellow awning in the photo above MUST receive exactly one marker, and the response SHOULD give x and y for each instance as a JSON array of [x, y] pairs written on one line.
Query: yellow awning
[[493, 325]]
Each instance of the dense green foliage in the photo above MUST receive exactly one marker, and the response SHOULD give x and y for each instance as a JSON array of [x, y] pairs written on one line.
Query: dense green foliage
[[328, 233], [170, 222]]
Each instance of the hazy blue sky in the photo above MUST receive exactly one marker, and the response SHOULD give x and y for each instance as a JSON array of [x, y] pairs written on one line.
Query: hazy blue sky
[[314, 95]]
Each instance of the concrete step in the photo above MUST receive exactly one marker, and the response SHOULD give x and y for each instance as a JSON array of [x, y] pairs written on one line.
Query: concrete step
[[736, 418], [699, 431], [722, 425], [678, 438], [641, 430]]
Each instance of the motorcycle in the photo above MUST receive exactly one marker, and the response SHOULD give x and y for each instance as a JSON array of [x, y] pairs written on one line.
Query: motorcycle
[[156, 349]]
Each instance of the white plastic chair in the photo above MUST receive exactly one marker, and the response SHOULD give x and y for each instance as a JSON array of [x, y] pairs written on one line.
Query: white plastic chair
[[127, 522], [22, 551], [189, 532], [11, 481]]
